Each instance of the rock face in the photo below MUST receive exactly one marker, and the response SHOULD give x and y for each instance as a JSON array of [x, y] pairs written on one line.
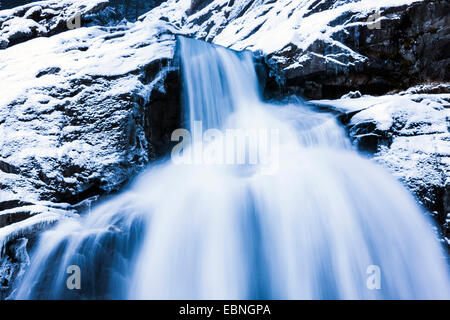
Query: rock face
[[47, 18], [127, 9], [76, 116], [323, 49]]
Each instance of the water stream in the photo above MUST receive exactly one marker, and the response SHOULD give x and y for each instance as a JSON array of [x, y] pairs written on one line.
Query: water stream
[[290, 211]]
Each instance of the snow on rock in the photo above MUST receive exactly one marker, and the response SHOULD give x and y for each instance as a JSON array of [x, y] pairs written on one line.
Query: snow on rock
[[15, 237], [409, 133], [81, 113], [17, 214], [324, 48], [43, 18], [77, 109]]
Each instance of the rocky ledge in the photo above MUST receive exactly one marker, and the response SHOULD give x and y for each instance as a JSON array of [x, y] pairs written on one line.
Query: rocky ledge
[[408, 133], [326, 48]]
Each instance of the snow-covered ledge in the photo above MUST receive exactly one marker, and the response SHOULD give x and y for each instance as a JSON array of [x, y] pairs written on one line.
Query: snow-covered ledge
[[43, 18]]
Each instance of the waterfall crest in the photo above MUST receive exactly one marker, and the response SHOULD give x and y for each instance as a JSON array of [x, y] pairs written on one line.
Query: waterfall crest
[[321, 224]]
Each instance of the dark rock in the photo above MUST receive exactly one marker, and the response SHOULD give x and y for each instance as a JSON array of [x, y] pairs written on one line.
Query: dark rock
[[327, 51], [10, 218], [50, 70], [8, 168], [197, 5]]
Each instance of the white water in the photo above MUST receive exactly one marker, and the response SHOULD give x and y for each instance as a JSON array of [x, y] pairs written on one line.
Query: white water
[[308, 230]]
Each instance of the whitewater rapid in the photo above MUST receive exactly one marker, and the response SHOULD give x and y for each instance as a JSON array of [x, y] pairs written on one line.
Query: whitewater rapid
[[309, 218]]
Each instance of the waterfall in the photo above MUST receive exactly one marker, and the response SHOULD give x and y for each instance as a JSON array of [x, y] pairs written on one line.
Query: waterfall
[[295, 213]]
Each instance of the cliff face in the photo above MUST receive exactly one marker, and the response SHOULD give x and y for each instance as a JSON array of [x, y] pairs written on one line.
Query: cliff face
[[82, 111], [324, 49], [408, 133]]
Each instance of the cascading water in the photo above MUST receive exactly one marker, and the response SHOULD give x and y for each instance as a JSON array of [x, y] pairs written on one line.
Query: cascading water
[[307, 220]]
